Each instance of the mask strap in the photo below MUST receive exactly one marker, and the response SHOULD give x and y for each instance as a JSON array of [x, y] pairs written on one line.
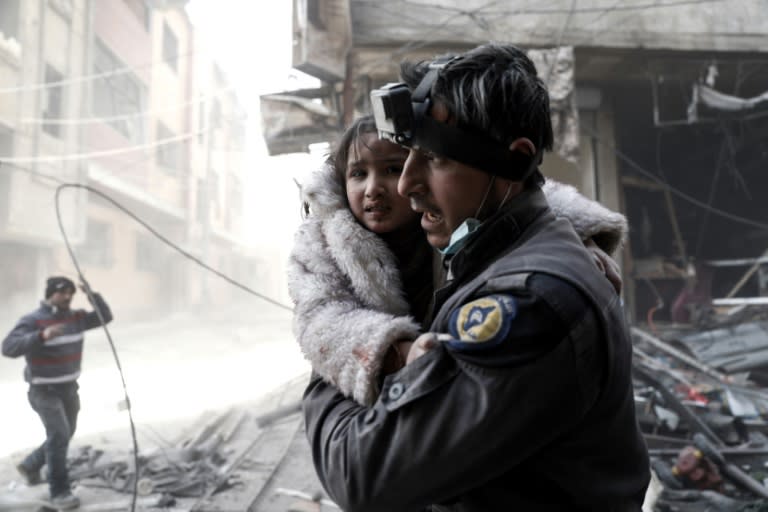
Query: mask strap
[[506, 196], [487, 191]]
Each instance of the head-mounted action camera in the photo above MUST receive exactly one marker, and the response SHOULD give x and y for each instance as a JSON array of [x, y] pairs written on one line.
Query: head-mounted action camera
[[403, 118], [393, 113]]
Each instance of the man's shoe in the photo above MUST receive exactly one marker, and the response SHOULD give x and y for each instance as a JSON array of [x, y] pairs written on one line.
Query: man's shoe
[[65, 501], [32, 477]]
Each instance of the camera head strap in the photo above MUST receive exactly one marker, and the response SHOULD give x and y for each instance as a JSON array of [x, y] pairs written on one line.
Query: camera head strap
[[403, 117]]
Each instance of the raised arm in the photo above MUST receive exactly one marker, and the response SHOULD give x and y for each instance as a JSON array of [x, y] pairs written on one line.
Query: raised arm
[[91, 319], [349, 309]]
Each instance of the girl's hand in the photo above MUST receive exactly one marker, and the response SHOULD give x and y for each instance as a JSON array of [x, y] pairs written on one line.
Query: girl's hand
[[395, 357], [606, 264]]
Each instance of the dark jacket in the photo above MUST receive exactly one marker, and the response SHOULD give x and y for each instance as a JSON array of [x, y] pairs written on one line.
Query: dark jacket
[[529, 406], [58, 359]]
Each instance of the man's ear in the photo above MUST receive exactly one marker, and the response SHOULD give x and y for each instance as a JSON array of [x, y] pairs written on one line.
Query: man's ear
[[523, 144], [440, 112]]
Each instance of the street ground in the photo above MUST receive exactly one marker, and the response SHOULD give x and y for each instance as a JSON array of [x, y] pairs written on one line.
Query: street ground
[[177, 371]]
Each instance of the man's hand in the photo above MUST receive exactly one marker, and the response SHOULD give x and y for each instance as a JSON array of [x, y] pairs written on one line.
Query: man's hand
[[606, 264], [85, 287], [421, 346], [52, 331]]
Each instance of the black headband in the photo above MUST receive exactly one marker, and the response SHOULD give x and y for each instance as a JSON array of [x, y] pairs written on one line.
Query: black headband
[[460, 144]]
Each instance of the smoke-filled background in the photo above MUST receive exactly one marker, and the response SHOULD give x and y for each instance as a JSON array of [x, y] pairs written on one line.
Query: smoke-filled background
[[172, 108], [158, 108]]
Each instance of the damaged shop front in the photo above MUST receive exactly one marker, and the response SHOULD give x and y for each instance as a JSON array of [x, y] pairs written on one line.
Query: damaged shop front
[[689, 142], [693, 149]]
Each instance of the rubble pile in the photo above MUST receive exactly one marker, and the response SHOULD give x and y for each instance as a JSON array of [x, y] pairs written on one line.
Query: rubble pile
[[192, 474], [195, 467], [701, 396]]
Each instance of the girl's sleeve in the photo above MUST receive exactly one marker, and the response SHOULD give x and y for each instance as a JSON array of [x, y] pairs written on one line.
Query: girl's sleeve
[[589, 218], [343, 339]]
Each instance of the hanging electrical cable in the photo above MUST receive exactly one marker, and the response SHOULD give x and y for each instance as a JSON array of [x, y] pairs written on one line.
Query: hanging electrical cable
[[401, 8], [97, 154], [85, 78], [638, 168], [88, 291], [154, 232], [125, 117]]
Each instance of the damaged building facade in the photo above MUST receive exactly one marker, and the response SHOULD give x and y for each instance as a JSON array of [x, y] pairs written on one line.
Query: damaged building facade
[[661, 111], [118, 95]]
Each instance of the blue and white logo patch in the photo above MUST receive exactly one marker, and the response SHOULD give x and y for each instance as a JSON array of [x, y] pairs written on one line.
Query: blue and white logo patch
[[482, 323]]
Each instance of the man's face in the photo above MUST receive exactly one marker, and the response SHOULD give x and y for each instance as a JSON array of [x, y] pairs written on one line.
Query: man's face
[[444, 191], [62, 299]]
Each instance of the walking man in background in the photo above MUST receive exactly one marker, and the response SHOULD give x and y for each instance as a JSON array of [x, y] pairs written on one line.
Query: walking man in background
[[51, 340]]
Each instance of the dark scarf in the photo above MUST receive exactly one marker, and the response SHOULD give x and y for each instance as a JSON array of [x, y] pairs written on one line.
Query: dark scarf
[[414, 260]]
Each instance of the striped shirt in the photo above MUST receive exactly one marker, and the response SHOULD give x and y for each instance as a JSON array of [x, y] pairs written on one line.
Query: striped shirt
[[56, 360]]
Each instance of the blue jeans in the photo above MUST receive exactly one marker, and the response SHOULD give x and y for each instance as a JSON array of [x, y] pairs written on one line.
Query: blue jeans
[[57, 405]]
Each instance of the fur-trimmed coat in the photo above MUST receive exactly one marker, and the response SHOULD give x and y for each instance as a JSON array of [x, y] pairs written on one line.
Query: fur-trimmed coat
[[346, 286]]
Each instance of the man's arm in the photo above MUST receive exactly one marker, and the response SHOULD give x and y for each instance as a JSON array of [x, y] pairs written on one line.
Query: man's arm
[[92, 319], [23, 338], [455, 418], [603, 231]]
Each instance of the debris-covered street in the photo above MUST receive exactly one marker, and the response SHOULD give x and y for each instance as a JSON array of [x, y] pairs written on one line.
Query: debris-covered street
[[439, 254], [194, 442]]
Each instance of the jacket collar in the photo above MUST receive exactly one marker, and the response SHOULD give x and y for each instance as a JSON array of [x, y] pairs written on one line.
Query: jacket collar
[[498, 232]]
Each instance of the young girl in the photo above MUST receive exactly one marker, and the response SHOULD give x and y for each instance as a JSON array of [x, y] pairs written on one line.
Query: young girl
[[361, 272]]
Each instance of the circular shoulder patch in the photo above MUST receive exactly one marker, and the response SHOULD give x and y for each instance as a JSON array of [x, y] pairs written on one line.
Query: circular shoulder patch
[[483, 322]]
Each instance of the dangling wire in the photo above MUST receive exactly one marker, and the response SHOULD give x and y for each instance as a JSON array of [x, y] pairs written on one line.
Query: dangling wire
[[164, 240], [89, 292]]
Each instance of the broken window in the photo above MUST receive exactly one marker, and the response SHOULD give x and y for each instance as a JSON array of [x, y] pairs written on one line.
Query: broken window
[[6, 141], [116, 97], [52, 100], [6, 150], [202, 206], [201, 121], [314, 14], [213, 194], [140, 10], [168, 153], [97, 249], [692, 189], [148, 258], [170, 47], [9, 18]]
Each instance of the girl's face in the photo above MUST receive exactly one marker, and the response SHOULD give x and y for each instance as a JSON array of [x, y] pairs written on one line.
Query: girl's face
[[373, 169]]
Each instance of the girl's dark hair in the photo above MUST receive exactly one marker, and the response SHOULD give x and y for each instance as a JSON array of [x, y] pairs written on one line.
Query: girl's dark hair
[[340, 154]]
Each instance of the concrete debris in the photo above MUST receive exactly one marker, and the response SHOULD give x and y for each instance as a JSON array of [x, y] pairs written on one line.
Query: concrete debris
[[227, 461], [702, 403]]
